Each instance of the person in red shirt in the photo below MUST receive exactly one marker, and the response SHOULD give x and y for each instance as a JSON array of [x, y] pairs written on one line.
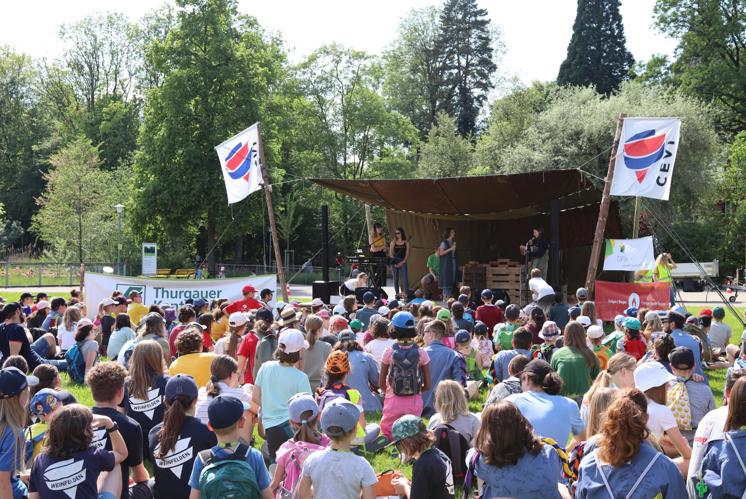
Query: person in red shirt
[[248, 302], [488, 312], [186, 316], [246, 352]]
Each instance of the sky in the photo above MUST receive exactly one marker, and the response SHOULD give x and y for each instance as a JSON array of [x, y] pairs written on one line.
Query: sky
[[535, 32]]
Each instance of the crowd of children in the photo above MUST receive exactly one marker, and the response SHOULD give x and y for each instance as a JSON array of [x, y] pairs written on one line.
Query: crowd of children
[[571, 410]]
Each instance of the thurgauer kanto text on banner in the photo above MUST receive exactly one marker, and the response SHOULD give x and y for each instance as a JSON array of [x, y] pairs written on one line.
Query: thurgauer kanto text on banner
[[170, 292]]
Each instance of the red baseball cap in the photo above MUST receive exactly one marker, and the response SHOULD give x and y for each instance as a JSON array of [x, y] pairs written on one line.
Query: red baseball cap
[[705, 312], [248, 289]]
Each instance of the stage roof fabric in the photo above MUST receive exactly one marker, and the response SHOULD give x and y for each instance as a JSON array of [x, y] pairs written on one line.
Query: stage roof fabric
[[490, 197]]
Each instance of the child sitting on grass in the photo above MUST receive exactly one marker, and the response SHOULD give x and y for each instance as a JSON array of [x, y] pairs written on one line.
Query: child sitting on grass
[[431, 472], [474, 375], [70, 466], [337, 472], [43, 405], [306, 440], [226, 415]]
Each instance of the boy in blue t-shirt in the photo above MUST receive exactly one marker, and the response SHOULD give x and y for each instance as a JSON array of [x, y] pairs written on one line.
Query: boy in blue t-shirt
[[226, 418]]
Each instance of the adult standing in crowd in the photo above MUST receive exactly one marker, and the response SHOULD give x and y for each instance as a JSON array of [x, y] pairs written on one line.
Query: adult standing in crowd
[[136, 310], [399, 253], [248, 302], [378, 250], [448, 263]]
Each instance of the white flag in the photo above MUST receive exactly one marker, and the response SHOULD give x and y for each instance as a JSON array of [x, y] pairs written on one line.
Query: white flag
[[645, 158], [629, 254], [239, 162]]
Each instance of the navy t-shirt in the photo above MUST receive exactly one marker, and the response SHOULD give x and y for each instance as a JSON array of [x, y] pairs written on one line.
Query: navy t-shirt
[[16, 333], [74, 477], [173, 471], [130, 431], [147, 413]]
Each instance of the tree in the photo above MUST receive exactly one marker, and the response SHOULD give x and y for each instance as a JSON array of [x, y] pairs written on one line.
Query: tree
[[712, 45], [218, 71], [10, 231], [24, 132], [446, 153], [75, 214], [414, 84], [289, 219], [574, 128], [466, 47], [597, 54]]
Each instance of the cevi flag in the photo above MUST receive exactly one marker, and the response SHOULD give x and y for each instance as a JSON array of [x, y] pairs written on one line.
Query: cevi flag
[[645, 158], [239, 162]]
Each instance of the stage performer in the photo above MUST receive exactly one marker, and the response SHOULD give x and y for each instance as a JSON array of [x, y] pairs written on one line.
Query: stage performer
[[447, 277], [537, 250], [378, 250], [399, 253], [248, 302]]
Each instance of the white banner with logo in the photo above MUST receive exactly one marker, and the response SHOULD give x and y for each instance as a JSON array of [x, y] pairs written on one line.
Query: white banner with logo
[[169, 292], [629, 254], [645, 158]]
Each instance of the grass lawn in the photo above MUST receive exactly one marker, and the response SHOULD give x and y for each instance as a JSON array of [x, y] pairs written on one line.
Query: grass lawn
[[386, 460]]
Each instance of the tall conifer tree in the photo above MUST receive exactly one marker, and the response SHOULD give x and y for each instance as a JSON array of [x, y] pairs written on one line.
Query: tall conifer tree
[[597, 54]]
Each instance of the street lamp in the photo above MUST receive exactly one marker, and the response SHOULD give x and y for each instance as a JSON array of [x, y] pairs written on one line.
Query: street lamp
[[120, 211]]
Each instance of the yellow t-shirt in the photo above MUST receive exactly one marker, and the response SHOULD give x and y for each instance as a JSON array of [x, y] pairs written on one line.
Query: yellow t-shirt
[[196, 365], [219, 328], [34, 431], [136, 311], [378, 244]]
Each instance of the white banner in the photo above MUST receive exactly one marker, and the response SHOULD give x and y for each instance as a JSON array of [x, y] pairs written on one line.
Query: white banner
[[169, 292], [239, 162], [629, 254], [645, 158], [149, 258]]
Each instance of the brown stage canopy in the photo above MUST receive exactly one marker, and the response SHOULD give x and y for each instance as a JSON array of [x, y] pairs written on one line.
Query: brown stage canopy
[[492, 214]]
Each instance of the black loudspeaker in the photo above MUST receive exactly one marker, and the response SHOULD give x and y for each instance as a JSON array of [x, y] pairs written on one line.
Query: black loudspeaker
[[359, 292], [500, 294], [324, 290]]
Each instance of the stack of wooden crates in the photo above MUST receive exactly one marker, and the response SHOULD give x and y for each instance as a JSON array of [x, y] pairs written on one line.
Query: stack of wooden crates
[[499, 274]]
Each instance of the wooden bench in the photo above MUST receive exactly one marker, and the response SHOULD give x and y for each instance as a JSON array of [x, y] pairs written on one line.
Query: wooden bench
[[162, 273], [184, 273]]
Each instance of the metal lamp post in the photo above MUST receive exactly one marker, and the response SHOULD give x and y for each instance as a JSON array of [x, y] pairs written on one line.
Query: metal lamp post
[[120, 211]]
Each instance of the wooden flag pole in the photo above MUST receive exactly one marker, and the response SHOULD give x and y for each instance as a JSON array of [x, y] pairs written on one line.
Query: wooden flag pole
[[271, 214], [603, 211]]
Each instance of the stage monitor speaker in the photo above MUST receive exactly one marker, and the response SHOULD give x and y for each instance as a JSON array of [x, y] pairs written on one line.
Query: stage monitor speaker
[[359, 292], [324, 290], [500, 294]]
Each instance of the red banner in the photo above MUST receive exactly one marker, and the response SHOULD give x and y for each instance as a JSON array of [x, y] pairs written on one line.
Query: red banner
[[613, 298]]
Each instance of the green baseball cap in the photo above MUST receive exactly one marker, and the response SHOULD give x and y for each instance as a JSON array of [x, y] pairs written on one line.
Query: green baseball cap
[[444, 314], [356, 325], [405, 427]]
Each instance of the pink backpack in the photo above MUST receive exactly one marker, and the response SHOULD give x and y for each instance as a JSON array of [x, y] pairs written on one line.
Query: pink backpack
[[293, 465]]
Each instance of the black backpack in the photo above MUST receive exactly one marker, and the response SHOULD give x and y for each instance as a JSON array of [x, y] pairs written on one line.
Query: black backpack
[[454, 445], [405, 370]]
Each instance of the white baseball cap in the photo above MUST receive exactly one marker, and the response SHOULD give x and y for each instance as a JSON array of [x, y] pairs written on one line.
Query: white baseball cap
[[384, 310], [595, 332], [41, 305], [292, 340], [237, 319], [107, 302], [584, 320], [317, 302], [651, 374], [338, 310]]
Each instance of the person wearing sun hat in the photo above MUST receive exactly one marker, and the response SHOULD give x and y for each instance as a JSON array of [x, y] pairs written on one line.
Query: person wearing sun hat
[[226, 415], [595, 335], [653, 379], [277, 381], [552, 336], [336, 472], [432, 470]]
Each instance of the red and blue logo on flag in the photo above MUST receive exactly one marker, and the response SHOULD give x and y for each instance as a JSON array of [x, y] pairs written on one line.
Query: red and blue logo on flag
[[642, 150], [239, 160]]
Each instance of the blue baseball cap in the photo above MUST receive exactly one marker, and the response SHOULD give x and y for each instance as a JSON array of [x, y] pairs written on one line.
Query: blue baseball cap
[[480, 328], [631, 312], [632, 323], [393, 304], [487, 293], [43, 402], [225, 411], [181, 385], [463, 299], [369, 297], [300, 403], [13, 381], [199, 303], [403, 320], [462, 336], [619, 319]]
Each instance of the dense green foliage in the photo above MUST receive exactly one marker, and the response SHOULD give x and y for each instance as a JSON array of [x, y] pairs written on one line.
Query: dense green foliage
[[597, 54]]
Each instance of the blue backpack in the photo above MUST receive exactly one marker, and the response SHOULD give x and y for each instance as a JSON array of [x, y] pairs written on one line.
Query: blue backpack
[[75, 364]]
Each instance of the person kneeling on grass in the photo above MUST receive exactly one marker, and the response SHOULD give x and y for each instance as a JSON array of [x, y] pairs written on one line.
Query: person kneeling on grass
[[336, 472], [70, 466], [432, 471], [226, 415]]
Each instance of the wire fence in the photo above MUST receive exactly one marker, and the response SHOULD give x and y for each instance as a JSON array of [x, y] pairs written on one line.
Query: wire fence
[[43, 274]]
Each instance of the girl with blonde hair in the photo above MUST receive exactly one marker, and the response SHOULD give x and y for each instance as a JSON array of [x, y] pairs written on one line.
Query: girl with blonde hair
[[452, 409], [66, 330]]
